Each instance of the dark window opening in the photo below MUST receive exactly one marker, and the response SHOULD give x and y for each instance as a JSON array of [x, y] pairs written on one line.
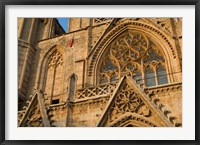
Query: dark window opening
[[56, 101]]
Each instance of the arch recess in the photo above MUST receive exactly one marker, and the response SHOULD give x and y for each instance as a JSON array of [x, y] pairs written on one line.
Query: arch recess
[[156, 36], [43, 68], [133, 120]]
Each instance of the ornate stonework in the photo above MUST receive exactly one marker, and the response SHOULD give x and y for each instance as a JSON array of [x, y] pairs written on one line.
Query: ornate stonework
[[130, 99], [133, 54], [101, 20], [116, 72]]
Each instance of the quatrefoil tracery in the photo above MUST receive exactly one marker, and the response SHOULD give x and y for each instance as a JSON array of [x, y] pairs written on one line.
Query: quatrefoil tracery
[[55, 60]]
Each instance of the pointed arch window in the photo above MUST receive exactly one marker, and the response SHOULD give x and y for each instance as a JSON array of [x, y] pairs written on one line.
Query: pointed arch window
[[135, 55], [54, 77], [109, 71]]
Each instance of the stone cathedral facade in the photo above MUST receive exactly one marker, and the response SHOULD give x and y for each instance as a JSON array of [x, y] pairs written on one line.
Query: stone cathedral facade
[[104, 72]]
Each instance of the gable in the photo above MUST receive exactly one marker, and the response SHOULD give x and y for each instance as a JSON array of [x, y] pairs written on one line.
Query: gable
[[129, 105], [35, 113]]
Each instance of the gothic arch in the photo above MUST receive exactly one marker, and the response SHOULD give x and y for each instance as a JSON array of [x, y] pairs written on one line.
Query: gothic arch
[[44, 64], [159, 38], [130, 119]]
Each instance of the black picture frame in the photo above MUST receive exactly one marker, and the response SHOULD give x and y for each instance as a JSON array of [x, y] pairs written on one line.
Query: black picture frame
[[3, 5]]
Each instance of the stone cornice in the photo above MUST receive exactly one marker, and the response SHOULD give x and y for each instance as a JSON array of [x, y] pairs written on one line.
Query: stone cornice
[[163, 88], [25, 44], [91, 101]]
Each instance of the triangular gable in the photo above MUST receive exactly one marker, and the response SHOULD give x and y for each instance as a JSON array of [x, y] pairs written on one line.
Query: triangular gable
[[35, 112], [130, 105]]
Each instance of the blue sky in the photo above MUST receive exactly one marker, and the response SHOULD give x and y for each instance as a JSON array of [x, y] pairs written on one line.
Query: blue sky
[[64, 23]]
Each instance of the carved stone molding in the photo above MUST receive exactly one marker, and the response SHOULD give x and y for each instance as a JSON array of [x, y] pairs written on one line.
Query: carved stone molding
[[132, 119], [130, 98], [23, 43], [97, 21], [135, 55], [163, 88], [101, 100], [117, 29], [162, 23], [55, 60], [96, 91]]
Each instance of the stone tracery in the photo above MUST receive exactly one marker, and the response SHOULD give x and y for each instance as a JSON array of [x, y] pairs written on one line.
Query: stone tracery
[[35, 118], [128, 100], [54, 75], [135, 55], [105, 65], [55, 60], [101, 20]]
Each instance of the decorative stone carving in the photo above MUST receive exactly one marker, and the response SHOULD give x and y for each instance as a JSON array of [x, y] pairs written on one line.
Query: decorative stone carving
[[35, 113], [135, 55], [128, 101], [20, 115], [141, 49], [115, 30], [163, 22], [130, 120], [55, 60], [100, 20], [96, 91], [35, 118], [121, 20]]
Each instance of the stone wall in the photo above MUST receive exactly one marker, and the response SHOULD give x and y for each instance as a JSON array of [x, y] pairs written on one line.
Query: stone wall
[[33, 68], [88, 113], [25, 56], [30, 30]]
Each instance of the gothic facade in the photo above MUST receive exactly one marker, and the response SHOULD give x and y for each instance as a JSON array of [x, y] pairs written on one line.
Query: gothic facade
[[104, 72]]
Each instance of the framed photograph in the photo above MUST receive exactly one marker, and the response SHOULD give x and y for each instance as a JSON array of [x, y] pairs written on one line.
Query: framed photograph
[[100, 72]]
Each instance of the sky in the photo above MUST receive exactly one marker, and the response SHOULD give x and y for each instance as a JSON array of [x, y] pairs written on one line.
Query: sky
[[64, 23]]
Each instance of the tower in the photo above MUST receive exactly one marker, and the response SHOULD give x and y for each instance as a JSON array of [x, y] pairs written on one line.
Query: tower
[[30, 31]]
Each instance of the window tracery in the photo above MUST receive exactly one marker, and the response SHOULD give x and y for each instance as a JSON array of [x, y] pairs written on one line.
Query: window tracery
[[54, 76], [135, 55], [55, 60], [101, 20]]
